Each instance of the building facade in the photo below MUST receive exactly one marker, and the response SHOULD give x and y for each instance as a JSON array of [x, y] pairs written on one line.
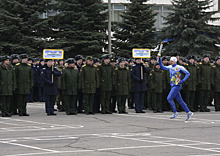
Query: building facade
[[160, 6]]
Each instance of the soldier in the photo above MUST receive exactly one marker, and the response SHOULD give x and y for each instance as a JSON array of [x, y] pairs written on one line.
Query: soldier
[[139, 84], [166, 86], [41, 91], [14, 105], [122, 85], [106, 83], [113, 93], [216, 84], [96, 107], [35, 78], [70, 84], [153, 59], [191, 84], [50, 75], [90, 81], [79, 64], [157, 82], [204, 82], [7, 85], [24, 80], [59, 99]]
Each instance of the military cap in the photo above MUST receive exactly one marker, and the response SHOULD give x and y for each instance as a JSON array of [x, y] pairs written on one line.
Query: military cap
[[78, 57], [89, 58], [164, 58], [176, 53], [5, 58], [217, 58], [42, 60], [120, 60], [48, 60], [131, 60], [34, 59], [70, 60], [153, 58], [156, 63], [212, 61], [191, 57], [96, 60], [206, 55], [105, 56], [23, 56], [14, 56], [113, 59], [30, 59]]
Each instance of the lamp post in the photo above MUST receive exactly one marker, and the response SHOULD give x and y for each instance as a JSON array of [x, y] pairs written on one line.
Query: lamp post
[[109, 28]]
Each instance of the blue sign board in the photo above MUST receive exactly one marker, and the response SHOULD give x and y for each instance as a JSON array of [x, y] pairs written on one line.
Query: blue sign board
[[53, 54], [141, 53]]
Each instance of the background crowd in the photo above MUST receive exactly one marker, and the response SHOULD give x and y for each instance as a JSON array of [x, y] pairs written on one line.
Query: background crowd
[[103, 85]]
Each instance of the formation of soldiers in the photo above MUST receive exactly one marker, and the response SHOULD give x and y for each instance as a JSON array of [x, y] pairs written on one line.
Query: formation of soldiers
[[94, 85]]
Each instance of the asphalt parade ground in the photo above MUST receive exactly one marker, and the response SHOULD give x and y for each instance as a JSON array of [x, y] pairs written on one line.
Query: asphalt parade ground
[[109, 135]]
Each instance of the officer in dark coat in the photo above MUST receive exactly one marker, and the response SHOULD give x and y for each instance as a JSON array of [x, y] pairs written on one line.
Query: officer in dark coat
[[139, 84], [24, 80], [51, 87], [7, 85]]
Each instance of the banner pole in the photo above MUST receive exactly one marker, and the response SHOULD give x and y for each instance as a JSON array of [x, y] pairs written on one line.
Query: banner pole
[[142, 71]]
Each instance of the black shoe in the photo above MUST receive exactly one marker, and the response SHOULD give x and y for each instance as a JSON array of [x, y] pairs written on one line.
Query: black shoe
[[91, 113], [142, 111], [48, 114], [108, 112], [114, 111], [53, 114], [207, 110], [103, 112], [55, 109], [123, 112], [138, 112], [154, 111], [87, 113], [26, 114], [119, 112]]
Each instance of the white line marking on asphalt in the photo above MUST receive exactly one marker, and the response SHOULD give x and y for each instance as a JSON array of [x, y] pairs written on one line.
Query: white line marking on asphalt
[[34, 126], [180, 118], [27, 146]]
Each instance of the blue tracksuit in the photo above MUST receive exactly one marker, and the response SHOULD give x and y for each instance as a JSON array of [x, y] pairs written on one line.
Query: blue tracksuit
[[176, 72]]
